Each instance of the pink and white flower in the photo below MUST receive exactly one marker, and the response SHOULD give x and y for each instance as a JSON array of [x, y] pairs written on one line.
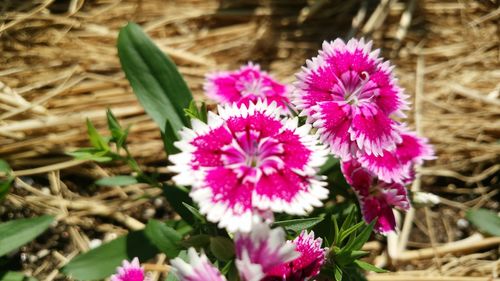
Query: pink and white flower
[[376, 198], [199, 268], [248, 84], [308, 265], [246, 161], [350, 94], [129, 271], [261, 250], [398, 165]]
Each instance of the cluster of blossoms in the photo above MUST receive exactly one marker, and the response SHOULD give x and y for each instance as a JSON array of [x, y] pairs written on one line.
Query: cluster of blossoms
[[262, 254], [251, 159], [351, 96]]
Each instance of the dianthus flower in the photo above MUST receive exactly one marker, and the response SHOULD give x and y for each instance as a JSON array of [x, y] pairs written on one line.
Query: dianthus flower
[[376, 198], [248, 84], [398, 165], [247, 160], [261, 250], [308, 265], [350, 94], [199, 268], [129, 271]]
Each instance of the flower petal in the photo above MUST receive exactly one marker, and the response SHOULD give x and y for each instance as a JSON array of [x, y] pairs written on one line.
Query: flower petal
[[199, 268]]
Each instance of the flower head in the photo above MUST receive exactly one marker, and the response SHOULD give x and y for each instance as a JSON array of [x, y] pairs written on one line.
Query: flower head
[[312, 257], [247, 84], [260, 250], [247, 160], [349, 93], [398, 165], [129, 271], [376, 198], [199, 268]]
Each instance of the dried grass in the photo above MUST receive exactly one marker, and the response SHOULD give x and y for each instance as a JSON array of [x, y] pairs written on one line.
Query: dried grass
[[58, 66]]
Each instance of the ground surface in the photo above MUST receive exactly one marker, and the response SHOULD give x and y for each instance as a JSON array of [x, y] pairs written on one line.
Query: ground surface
[[58, 66]]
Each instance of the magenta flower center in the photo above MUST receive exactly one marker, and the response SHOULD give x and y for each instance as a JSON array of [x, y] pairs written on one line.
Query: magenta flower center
[[354, 88], [251, 86], [251, 155]]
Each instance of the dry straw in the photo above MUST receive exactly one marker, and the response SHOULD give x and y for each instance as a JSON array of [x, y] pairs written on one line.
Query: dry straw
[[59, 65]]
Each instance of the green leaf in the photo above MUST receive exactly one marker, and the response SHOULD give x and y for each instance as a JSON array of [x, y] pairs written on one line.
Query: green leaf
[[298, 225], [222, 248], [204, 112], [358, 254], [16, 233], [353, 273], [117, 180], [118, 135], [15, 276], [4, 167], [91, 153], [169, 136], [361, 239], [96, 139], [163, 237], [155, 79], [176, 196], [101, 262], [344, 234], [226, 267], [194, 211], [5, 186], [336, 230], [329, 164], [181, 226], [197, 113], [369, 267], [171, 277], [485, 220], [338, 273], [113, 123], [349, 220], [197, 241], [192, 111]]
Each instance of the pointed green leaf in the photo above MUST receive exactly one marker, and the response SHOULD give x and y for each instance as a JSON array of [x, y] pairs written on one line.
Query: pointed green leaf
[[197, 241], [16, 233], [222, 248], [329, 164], [5, 186], [344, 234], [176, 196], [4, 167], [338, 273], [113, 124], [155, 79], [101, 262], [163, 237], [117, 180], [169, 136], [487, 221], [336, 230], [297, 225], [171, 277], [361, 239], [204, 112], [96, 139], [91, 153], [369, 267], [194, 211], [118, 134]]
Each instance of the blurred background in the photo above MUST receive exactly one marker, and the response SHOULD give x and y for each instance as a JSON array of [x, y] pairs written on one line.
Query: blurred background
[[59, 66]]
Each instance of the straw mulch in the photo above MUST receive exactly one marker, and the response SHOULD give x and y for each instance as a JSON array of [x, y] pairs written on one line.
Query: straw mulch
[[58, 66]]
